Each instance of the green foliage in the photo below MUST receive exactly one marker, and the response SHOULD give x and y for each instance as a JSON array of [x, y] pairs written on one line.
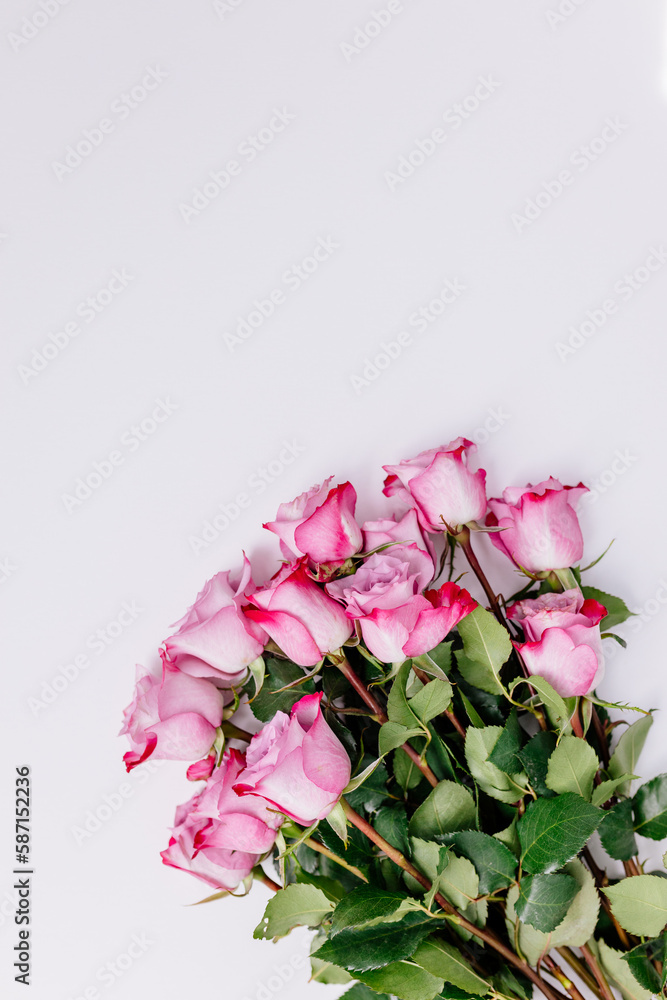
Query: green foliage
[[404, 980], [553, 831], [617, 832], [535, 759], [495, 864], [374, 944], [572, 767], [446, 962], [640, 904], [391, 822], [447, 808], [625, 756], [296, 905], [505, 753], [650, 808], [270, 699], [361, 992], [614, 966], [487, 644], [496, 783], [641, 961], [545, 899], [617, 610]]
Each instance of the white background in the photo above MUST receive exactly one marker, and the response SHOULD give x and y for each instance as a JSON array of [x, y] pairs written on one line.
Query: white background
[[492, 357]]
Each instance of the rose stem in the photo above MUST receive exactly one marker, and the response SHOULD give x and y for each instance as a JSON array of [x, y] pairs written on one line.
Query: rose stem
[[580, 969], [363, 692], [487, 936], [463, 538], [265, 880], [558, 974], [424, 678], [316, 846], [597, 972], [601, 880]]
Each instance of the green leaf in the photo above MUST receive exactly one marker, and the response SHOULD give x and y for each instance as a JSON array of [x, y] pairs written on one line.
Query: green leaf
[[446, 962], [535, 759], [572, 767], [471, 712], [337, 820], [406, 772], [449, 807], [617, 610], [429, 857], [371, 786], [650, 808], [398, 709], [393, 735], [618, 970], [458, 882], [329, 886], [495, 864], [374, 945], [641, 960], [545, 899], [257, 671], [639, 904], [278, 674], [433, 699], [509, 838], [553, 831], [617, 832], [391, 822], [625, 756], [604, 791], [291, 907], [505, 754], [361, 992], [438, 662], [403, 980], [557, 709], [365, 904], [493, 781], [487, 643]]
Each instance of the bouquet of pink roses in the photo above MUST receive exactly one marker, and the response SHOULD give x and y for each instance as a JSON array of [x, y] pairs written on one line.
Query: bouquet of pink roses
[[414, 775]]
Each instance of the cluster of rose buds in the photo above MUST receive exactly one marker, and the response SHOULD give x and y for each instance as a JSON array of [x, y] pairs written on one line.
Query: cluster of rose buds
[[343, 583]]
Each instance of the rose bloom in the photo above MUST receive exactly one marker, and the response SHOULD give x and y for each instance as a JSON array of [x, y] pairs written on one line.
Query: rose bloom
[[385, 597], [440, 486], [564, 642], [220, 837], [172, 716], [215, 639], [390, 531], [541, 529], [299, 616], [297, 763], [319, 524]]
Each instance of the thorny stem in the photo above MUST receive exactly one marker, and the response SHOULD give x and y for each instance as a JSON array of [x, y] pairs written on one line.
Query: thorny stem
[[424, 678], [488, 937], [581, 970], [597, 972], [316, 846], [564, 980], [344, 666]]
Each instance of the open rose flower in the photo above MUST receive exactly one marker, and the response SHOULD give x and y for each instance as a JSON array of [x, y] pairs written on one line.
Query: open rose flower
[[319, 524], [440, 486], [297, 763], [215, 639], [541, 529], [172, 717], [299, 616], [564, 643], [390, 531], [385, 597], [219, 836]]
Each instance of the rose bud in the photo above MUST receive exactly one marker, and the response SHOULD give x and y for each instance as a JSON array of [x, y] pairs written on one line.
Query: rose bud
[[297, 763], [220, 837], [541, 529], [440, 486], [319, 524], [555, 611], [172, 717], [215, 639], [299, 616]]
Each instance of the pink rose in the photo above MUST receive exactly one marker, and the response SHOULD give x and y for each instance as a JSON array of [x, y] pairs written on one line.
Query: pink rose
[[319, 524], [172, 717], [220, 837], [389, 531], [542, 530], [385, 596], [564, 643], [215, 639], [297, 763], [440, 486], [298, 615]]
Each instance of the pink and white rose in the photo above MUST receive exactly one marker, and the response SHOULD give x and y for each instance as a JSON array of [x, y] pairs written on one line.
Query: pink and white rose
[[541, 528], [297, 763], [319, 524], [440, 486], [214, 638], [172, 717], [389, 531]]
